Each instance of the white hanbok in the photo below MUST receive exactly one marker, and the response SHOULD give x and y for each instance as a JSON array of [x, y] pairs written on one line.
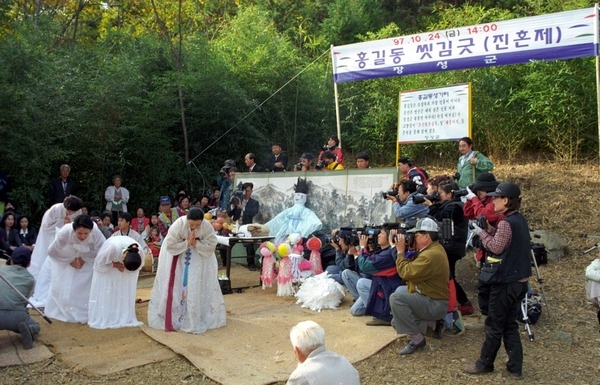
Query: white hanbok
[[137, 237], [195, 300], [113, 292], [52, 221], [69, 293]]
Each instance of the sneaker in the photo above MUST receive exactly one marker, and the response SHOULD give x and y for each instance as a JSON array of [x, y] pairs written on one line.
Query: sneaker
[[466, 309], [474, 369], [378, 322], [411, 347], [26, 337]]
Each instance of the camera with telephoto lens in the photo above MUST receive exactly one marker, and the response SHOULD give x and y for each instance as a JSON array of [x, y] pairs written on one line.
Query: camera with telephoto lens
[[460, 193], [320, 164], [298, 167], [393, 192], [418, 199]]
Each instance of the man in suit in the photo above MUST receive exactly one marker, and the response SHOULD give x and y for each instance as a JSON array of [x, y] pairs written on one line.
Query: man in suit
[[278, 160], [62, 187], [250, 161], [250, 207]]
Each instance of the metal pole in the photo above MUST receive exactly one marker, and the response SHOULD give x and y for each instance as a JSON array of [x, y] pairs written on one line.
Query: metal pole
[[337, 105]]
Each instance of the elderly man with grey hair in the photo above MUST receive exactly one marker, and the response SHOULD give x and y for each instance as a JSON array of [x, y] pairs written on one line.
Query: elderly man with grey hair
[[316, 365]]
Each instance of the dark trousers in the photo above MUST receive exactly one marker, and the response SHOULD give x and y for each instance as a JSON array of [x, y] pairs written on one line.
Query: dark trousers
[[250, 253], [501, 324]]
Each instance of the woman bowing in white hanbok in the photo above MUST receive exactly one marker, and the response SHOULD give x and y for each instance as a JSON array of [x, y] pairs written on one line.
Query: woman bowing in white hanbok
[[71, 262], [186, 295], [114, 284], [54, 218]]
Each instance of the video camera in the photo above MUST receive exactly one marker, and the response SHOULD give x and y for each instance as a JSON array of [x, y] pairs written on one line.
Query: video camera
[[418, 199], [351, 235]]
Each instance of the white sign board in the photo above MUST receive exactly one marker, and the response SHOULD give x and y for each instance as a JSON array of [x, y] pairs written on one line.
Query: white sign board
[[435, 114]]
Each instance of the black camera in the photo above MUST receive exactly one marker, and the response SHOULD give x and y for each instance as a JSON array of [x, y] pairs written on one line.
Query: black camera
[[326, 148], [476, 240], [351, 235], [481, 222], [393, 192], [418, 199], [456, 176], [298, 167], [225, 170], [402, 228], [460, 193], [320, 164]]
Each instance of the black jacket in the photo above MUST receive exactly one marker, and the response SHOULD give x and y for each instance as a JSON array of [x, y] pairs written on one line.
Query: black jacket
[[57, 194]]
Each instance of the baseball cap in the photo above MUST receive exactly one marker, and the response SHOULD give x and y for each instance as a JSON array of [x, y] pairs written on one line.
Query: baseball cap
[[165, 200], [506, 189], [424, 224], [21, 256]]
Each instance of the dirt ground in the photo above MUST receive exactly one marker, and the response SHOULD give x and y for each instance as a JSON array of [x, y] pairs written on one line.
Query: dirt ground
[[566, 349]]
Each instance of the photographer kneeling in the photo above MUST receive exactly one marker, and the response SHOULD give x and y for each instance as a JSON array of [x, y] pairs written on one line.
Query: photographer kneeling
[[449, 211], [404, 204], [378, 276], [426, 273]]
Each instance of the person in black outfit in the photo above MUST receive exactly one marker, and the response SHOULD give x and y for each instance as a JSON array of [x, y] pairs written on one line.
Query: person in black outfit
[[250, 207], [509, 254], [10, 235], [62, 187], [278, 160], [250, 161]]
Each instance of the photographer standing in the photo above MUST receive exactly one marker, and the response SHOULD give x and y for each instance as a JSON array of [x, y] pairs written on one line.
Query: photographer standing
[[225, 183], [450, 209], [507, 271], [478, 204], [470, 164], [404, 205], [306, 163]]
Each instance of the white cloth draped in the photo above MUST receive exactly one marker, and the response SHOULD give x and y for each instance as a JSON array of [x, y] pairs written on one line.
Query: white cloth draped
[[113, 292], [203, 307], [70, 288], [52, 221]]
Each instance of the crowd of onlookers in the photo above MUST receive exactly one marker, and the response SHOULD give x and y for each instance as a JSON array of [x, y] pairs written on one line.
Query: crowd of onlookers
[[406, 279]]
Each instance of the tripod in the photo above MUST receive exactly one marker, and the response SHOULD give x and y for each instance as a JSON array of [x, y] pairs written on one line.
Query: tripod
[[540, 281], [535, 299]]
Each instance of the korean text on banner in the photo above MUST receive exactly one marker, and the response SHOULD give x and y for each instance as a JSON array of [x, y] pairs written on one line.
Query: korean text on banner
[[557, 36]]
